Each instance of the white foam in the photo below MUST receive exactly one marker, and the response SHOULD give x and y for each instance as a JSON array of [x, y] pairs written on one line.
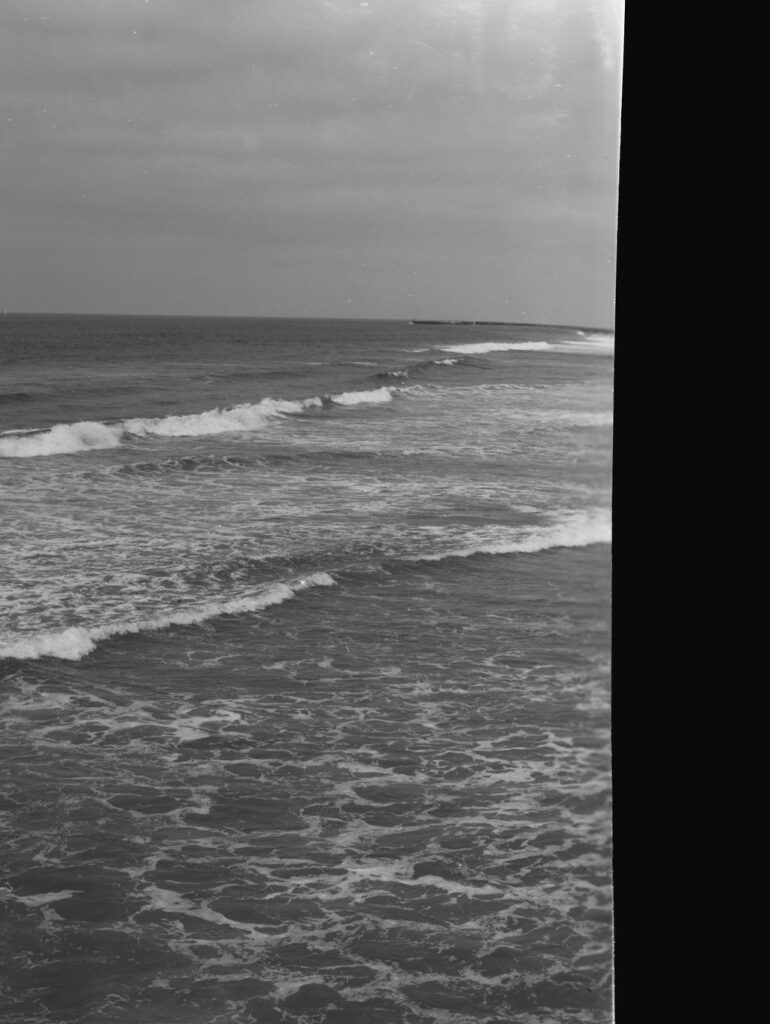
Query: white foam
[[589, 344], [376, 397], [42, 899], [61, 439], [76, 642], [66, 438], [218, 421], [578, 529], [73, 644], [480, 347]]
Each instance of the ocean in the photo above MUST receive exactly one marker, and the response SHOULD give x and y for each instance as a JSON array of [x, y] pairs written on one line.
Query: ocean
[[304, 661]]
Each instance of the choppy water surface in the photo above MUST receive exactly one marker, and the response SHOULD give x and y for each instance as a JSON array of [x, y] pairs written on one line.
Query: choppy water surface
[[305, 697]]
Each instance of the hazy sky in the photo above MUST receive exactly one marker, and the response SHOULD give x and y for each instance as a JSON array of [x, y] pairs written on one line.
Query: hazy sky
[[396, 158]]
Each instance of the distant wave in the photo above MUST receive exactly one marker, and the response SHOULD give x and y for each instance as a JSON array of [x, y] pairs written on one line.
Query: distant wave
[[76, 642], [598, 335], [416, 368], [68, 438], [480, 347], [598, 343], [376, 397], [579, 529], [593, 344]]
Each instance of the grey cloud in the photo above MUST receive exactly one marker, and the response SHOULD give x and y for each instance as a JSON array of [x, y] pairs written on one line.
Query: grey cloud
[[270, 130]]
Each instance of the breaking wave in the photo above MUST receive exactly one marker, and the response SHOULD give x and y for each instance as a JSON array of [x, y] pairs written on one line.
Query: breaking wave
[[376, 397], [68, 438], [598, 343], [218, 421], [62, 439], [76, 642], [580, 529], [480, 347], [577, 529], [608, 336]]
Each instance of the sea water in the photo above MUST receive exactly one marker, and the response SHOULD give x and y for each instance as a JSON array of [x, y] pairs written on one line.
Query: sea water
[[305, 658]]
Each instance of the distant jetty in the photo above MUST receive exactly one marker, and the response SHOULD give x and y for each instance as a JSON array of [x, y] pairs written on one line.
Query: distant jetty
[[507, 323]]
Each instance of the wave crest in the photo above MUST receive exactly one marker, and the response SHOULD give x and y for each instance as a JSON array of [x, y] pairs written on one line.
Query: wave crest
[[480, 347], [218, 421], [580, 529], [68, 438], [62, 439], [76, 642], [377, 397]]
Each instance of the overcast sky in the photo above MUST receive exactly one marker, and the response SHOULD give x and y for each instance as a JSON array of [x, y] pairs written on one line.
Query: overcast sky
[[396, 158]]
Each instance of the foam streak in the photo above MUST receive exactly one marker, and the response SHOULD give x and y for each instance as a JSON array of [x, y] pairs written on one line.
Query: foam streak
[[577, 530], [377, 397], [67, 438], [76, 642], [480, 347]]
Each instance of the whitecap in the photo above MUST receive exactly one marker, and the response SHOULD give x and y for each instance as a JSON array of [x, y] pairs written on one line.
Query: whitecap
[[577, 529], [376, 397], [68, 438], [61, 439], [480, 347], [76, 642], [219, 421]]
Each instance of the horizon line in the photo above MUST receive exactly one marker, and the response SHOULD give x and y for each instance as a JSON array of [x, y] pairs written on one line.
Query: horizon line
[[417, 321]]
